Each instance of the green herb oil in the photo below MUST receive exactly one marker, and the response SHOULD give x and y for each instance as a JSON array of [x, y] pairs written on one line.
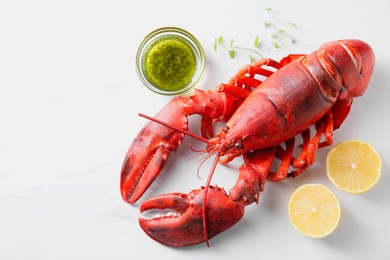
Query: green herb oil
[[169, 63]]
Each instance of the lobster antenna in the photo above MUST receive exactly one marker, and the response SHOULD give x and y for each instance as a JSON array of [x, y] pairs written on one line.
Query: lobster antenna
[[196, 150], [197, 137], [204, 206]]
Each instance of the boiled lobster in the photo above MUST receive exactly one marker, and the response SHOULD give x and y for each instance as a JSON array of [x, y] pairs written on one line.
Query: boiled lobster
[[265, 106]]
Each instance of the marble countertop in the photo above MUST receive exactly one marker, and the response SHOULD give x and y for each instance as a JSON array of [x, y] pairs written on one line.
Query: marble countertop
[[69, 101]]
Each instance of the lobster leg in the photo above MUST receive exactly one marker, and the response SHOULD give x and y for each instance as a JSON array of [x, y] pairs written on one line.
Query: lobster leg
[[216, 105], [324, 127], [313, 145], [340, 111], [253, 175], [285, 156], [329, 127], [301, 160]]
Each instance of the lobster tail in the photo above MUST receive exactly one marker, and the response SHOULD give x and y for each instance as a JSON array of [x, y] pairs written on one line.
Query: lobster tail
[[352, 64], [362, 52]]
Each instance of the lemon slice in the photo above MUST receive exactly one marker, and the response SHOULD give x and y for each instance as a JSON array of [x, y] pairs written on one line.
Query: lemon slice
[[353, 166], [314, 210]]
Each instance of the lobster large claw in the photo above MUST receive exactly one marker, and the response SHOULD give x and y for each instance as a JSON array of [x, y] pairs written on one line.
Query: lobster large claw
[[150, 150], [176, 219]]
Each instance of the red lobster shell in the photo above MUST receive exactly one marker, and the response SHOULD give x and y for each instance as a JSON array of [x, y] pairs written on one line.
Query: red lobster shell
[[265, 106]]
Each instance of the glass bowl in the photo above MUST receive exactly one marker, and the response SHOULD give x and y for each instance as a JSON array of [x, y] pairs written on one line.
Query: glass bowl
[[170, 61]]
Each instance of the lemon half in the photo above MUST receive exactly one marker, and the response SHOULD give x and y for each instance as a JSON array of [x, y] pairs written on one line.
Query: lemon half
[[354, 166], [314, 210]]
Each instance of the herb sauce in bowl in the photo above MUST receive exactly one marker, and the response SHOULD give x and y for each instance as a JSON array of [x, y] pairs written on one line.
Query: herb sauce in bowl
[[170, 61]]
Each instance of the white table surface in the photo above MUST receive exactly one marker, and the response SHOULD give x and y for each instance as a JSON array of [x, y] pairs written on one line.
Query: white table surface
[[69, 101]]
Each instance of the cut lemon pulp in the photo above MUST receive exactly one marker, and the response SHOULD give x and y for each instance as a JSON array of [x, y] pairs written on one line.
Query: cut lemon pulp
[[314, 210], [353, 166]]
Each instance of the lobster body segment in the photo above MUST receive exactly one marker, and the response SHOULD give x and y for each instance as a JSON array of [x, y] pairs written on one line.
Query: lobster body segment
[[265, 106], [278, 102]]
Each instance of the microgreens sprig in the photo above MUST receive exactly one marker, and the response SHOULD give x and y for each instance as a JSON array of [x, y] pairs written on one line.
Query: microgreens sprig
[[218, 42], [278, 36], [268, 22], [282, 34]]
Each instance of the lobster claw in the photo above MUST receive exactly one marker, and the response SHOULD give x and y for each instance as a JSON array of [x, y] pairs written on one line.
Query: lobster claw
[[150, 150], [175, 219]]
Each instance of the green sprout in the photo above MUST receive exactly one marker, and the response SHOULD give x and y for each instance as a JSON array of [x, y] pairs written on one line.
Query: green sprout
[[277, 36]]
